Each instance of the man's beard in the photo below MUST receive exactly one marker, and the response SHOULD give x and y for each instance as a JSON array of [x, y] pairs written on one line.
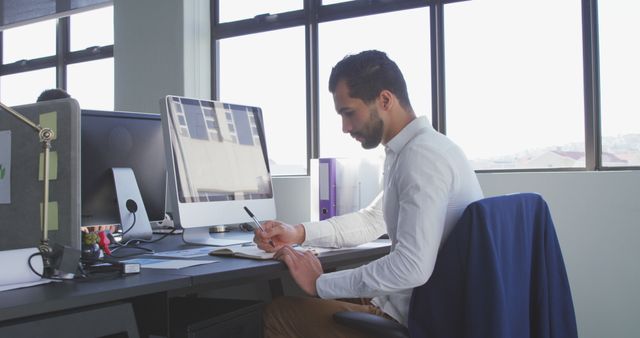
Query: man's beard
[[372, 132]]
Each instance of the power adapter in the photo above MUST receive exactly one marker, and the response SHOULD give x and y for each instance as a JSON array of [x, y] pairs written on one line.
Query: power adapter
[[123, 268]]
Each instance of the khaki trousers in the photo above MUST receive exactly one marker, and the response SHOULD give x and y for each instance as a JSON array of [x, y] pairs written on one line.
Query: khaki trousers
[[307, 317]]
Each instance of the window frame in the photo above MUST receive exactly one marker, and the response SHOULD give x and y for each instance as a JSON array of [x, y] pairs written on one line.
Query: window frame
[[61, 59], [314, 13], [310, 17]]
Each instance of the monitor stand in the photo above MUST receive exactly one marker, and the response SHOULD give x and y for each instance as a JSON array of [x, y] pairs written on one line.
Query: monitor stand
[[127, 189], [200, 236]]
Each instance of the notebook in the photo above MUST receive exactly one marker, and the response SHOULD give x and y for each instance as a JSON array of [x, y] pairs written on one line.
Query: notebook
[[253, 252]]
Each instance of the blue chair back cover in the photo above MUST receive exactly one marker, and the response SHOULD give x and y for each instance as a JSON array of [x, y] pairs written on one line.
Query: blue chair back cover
[[499, 274]]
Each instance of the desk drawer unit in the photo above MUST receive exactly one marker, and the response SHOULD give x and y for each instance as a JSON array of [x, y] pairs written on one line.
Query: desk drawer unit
[[195, 317]]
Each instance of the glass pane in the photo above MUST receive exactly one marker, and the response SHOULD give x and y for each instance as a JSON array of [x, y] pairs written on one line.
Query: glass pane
[[351, 36], [29, 42], [99, 22], [233, 10], [23, 88], [91, 83], [515, 96], [267, 70], [619, 73]]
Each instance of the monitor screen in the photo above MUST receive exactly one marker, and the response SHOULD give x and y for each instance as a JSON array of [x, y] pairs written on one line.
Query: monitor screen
[[121, 140], [217, 164]]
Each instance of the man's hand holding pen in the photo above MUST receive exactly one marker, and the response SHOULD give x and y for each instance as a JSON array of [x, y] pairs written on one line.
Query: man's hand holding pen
[[279, 233], [257, 223]]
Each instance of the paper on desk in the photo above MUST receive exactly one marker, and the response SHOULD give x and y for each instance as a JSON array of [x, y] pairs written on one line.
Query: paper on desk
[[185, 253], [148, 263], [24, 285], [17, 274]]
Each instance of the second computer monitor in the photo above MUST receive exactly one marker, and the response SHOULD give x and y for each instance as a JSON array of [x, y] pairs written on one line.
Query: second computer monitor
[[113, 139], [217, 164]]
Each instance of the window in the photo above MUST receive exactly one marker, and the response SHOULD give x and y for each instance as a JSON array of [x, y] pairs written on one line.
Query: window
[[232, 10], [269, 61], [91, 83], [23, 88], [86, 73], [98, 22], [619, 74], [350, 36], [267, 70], [41, 37], [514, 83], [514, 75]]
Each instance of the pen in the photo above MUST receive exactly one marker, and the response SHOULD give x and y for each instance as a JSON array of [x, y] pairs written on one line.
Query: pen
[[257, 223]]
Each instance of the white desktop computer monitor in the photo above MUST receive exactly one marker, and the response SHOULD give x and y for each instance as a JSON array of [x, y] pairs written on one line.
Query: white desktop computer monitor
[[217, 164]]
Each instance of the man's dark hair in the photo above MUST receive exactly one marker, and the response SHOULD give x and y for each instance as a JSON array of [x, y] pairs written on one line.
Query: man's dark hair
[[367, 74], [53, 94]]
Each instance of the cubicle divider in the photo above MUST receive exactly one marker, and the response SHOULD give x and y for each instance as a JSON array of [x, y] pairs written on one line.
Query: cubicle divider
[[21, 175]]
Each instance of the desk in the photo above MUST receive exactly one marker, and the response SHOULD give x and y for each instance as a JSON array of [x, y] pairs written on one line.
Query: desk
[[156, 286]]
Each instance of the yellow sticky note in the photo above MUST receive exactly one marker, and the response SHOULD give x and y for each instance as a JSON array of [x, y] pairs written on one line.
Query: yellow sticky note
[[53, 166], [53, 216], [50, 120]]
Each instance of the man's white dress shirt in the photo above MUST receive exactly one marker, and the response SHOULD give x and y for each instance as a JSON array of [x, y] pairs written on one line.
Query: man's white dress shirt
[[428, 183]]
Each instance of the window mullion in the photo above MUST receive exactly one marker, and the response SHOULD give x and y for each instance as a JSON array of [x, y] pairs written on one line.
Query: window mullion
[[214, 8], [62, 50], [593, 133], [438, 112], [312, 65]]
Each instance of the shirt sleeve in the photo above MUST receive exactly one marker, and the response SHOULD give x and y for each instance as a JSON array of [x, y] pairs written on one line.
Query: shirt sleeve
[[422, 185], [348, 230]]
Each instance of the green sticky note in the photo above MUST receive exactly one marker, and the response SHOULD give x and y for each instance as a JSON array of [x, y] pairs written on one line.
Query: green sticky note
[[53, 216], [50, 120], [53, 166]]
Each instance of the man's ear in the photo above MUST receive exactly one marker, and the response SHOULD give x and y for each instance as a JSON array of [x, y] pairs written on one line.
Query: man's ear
[[386, 99]]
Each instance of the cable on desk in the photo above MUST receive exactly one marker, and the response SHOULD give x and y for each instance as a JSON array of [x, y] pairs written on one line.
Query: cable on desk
[[31, 266], [108, 267], [158, 239], [132, 224], [129, 245], [134, 244], [39, 274]]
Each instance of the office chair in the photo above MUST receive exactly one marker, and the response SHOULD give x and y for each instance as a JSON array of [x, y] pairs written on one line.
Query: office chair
[[500, 274]]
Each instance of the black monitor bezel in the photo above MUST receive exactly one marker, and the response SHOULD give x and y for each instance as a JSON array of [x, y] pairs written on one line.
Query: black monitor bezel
[[97, 179]]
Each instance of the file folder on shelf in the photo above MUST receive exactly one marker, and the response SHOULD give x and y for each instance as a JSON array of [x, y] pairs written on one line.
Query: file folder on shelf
[[327, 187]]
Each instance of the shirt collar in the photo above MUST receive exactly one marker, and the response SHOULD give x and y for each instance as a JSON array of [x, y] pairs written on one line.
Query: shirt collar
[[407, 134]]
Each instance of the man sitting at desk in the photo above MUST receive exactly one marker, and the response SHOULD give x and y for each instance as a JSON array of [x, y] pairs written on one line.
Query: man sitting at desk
[[428, 182]]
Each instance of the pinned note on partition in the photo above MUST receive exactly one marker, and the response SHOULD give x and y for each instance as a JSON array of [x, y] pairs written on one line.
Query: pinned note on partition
[[53, 166], [53, 216], [50, 120]]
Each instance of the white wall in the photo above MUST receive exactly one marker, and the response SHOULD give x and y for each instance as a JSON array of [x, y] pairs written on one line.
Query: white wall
[[292, 198], [160, 48]]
